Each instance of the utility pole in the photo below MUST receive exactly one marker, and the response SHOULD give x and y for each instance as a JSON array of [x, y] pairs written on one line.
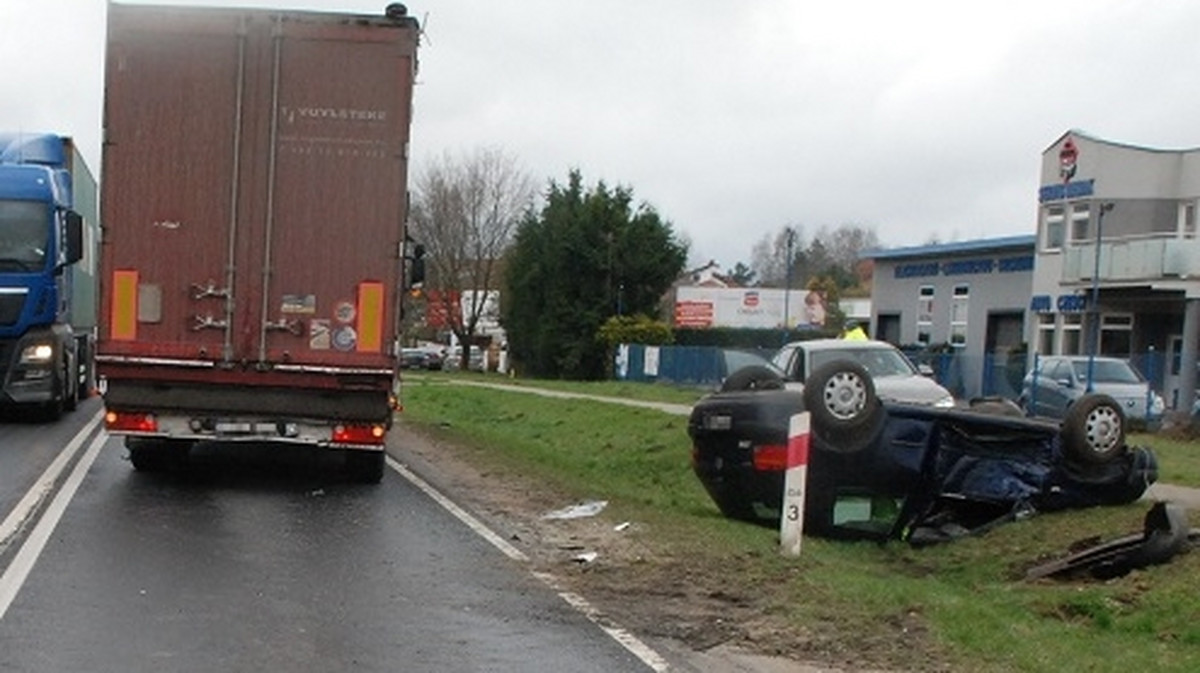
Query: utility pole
[[787, 292], [1094, 307]]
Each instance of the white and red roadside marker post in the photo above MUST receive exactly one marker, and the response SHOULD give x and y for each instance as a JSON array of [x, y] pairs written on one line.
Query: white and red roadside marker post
[[791, 524]]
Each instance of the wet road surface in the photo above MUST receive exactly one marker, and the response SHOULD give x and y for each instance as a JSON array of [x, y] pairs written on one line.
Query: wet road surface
[[258, 558]]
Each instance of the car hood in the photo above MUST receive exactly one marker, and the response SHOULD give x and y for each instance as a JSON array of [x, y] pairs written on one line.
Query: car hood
[[910, 389], [918, 390]]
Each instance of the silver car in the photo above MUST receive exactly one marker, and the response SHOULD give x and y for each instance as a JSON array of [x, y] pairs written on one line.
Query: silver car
[[893, 374], [1057, 381]]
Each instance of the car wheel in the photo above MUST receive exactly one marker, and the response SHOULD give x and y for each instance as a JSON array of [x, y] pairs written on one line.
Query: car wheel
[[1093, 430], [752, 377], [846, 413]]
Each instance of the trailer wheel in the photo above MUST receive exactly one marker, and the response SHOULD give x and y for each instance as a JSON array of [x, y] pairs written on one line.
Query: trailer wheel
[[1093, 431], [364, 467], [847, 415], [152, 454]]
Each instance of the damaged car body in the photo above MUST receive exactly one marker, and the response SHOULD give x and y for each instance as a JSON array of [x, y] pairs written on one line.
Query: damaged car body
[[879, 469]]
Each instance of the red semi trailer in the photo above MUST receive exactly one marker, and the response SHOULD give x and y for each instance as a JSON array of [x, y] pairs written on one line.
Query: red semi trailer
[[254, 255]]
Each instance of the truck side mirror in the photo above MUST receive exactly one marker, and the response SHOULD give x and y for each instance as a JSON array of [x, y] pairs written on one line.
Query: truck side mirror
[[74, 237]]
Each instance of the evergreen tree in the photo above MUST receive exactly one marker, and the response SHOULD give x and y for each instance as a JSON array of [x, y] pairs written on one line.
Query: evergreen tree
[[587, 256]]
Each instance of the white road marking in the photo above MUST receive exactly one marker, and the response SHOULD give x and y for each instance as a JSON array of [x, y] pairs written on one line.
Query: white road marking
[[45, 484], [626, 639], [18, 571]]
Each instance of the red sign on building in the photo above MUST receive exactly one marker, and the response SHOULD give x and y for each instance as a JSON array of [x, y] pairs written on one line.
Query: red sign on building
[[694, 314]]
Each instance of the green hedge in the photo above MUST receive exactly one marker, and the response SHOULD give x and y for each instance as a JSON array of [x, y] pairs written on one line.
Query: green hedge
[[740, 337]]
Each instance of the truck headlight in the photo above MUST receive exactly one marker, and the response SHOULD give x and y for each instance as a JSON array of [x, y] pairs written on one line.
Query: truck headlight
[[37, 354]]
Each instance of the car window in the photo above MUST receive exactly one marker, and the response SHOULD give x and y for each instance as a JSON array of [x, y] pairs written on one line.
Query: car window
[[783, 360], [735, 360], [1108, 371], [1059, 371], [877, 361]]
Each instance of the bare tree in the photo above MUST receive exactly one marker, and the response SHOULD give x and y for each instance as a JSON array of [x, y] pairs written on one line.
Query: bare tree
[[465, 211], [769, 257]]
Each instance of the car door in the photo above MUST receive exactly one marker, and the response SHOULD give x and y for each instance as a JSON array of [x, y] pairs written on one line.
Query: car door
[[1059, 389]]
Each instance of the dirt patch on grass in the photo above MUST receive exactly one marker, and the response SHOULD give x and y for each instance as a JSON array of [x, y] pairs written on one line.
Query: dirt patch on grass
[[704, 606]]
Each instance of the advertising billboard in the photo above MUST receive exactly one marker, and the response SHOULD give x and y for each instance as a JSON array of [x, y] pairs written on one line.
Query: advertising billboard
[[753, 307]]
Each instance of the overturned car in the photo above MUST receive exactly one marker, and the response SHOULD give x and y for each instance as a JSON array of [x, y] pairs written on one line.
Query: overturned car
[[878, 469]]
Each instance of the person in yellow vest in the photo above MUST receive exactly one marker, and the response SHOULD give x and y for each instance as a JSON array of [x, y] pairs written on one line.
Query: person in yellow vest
[[854, 331]]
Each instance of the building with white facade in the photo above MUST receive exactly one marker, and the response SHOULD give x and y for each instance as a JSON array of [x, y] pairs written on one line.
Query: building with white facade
[[1118, 260]]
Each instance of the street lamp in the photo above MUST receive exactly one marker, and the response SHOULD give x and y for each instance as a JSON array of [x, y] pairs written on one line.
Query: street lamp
[[1094, 336]]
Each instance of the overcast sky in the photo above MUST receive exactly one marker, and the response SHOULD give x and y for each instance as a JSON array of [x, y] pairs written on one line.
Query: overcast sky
[[733, 119]]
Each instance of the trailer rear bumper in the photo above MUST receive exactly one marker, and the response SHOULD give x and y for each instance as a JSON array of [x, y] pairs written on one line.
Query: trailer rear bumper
[[336, 408]]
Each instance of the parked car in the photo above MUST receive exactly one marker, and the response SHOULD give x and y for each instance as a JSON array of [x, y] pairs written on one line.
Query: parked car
[[420, 358], [882, 469], [895, 377], [733, 360], [1059, 381], [453, 359]]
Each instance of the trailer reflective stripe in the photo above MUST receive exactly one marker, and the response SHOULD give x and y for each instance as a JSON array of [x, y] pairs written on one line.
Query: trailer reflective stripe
[[370, 317], [124, 306]]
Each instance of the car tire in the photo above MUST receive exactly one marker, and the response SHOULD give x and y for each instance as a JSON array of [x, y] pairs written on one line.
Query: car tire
[[752, 377], [847, 415], [1093, 430]]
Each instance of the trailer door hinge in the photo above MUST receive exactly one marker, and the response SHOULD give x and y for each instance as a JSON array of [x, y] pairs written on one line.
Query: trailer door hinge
[[208, 290], [207, 321]]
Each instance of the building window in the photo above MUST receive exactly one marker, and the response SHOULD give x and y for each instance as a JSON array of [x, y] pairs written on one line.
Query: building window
[[925, 315], [1116, 334], [1187, 219], [959, 306], [1052, 225], [1072, 332], [1081, 218], [1045, 337]]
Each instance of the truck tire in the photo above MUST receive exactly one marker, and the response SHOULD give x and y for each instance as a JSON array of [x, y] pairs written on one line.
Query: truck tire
[[53, 410], [153, 454], [86, 370], [1093, 431], [847, 415], [70, 384], [364, 467]]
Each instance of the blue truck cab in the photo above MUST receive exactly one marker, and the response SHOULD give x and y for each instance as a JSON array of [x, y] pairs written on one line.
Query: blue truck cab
[[48, 240]]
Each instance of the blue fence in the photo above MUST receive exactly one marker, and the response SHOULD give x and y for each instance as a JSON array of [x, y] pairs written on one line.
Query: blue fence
[[704, 366], [966, 377]]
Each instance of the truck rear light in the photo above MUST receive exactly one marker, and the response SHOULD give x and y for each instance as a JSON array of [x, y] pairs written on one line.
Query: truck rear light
[[359, 434], [770, 457], [130, 422]]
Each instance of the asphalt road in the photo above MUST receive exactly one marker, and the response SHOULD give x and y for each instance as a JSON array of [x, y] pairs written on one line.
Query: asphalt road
[[256, 559]]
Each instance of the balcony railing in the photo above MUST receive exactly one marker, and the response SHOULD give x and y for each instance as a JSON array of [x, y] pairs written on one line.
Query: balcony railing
[[1136, 259]]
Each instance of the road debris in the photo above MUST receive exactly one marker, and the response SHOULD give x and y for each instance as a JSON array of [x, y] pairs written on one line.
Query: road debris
[[584, 509]]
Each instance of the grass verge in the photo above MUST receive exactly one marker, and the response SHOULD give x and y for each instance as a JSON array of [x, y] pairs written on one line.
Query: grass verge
[[960, 606]]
